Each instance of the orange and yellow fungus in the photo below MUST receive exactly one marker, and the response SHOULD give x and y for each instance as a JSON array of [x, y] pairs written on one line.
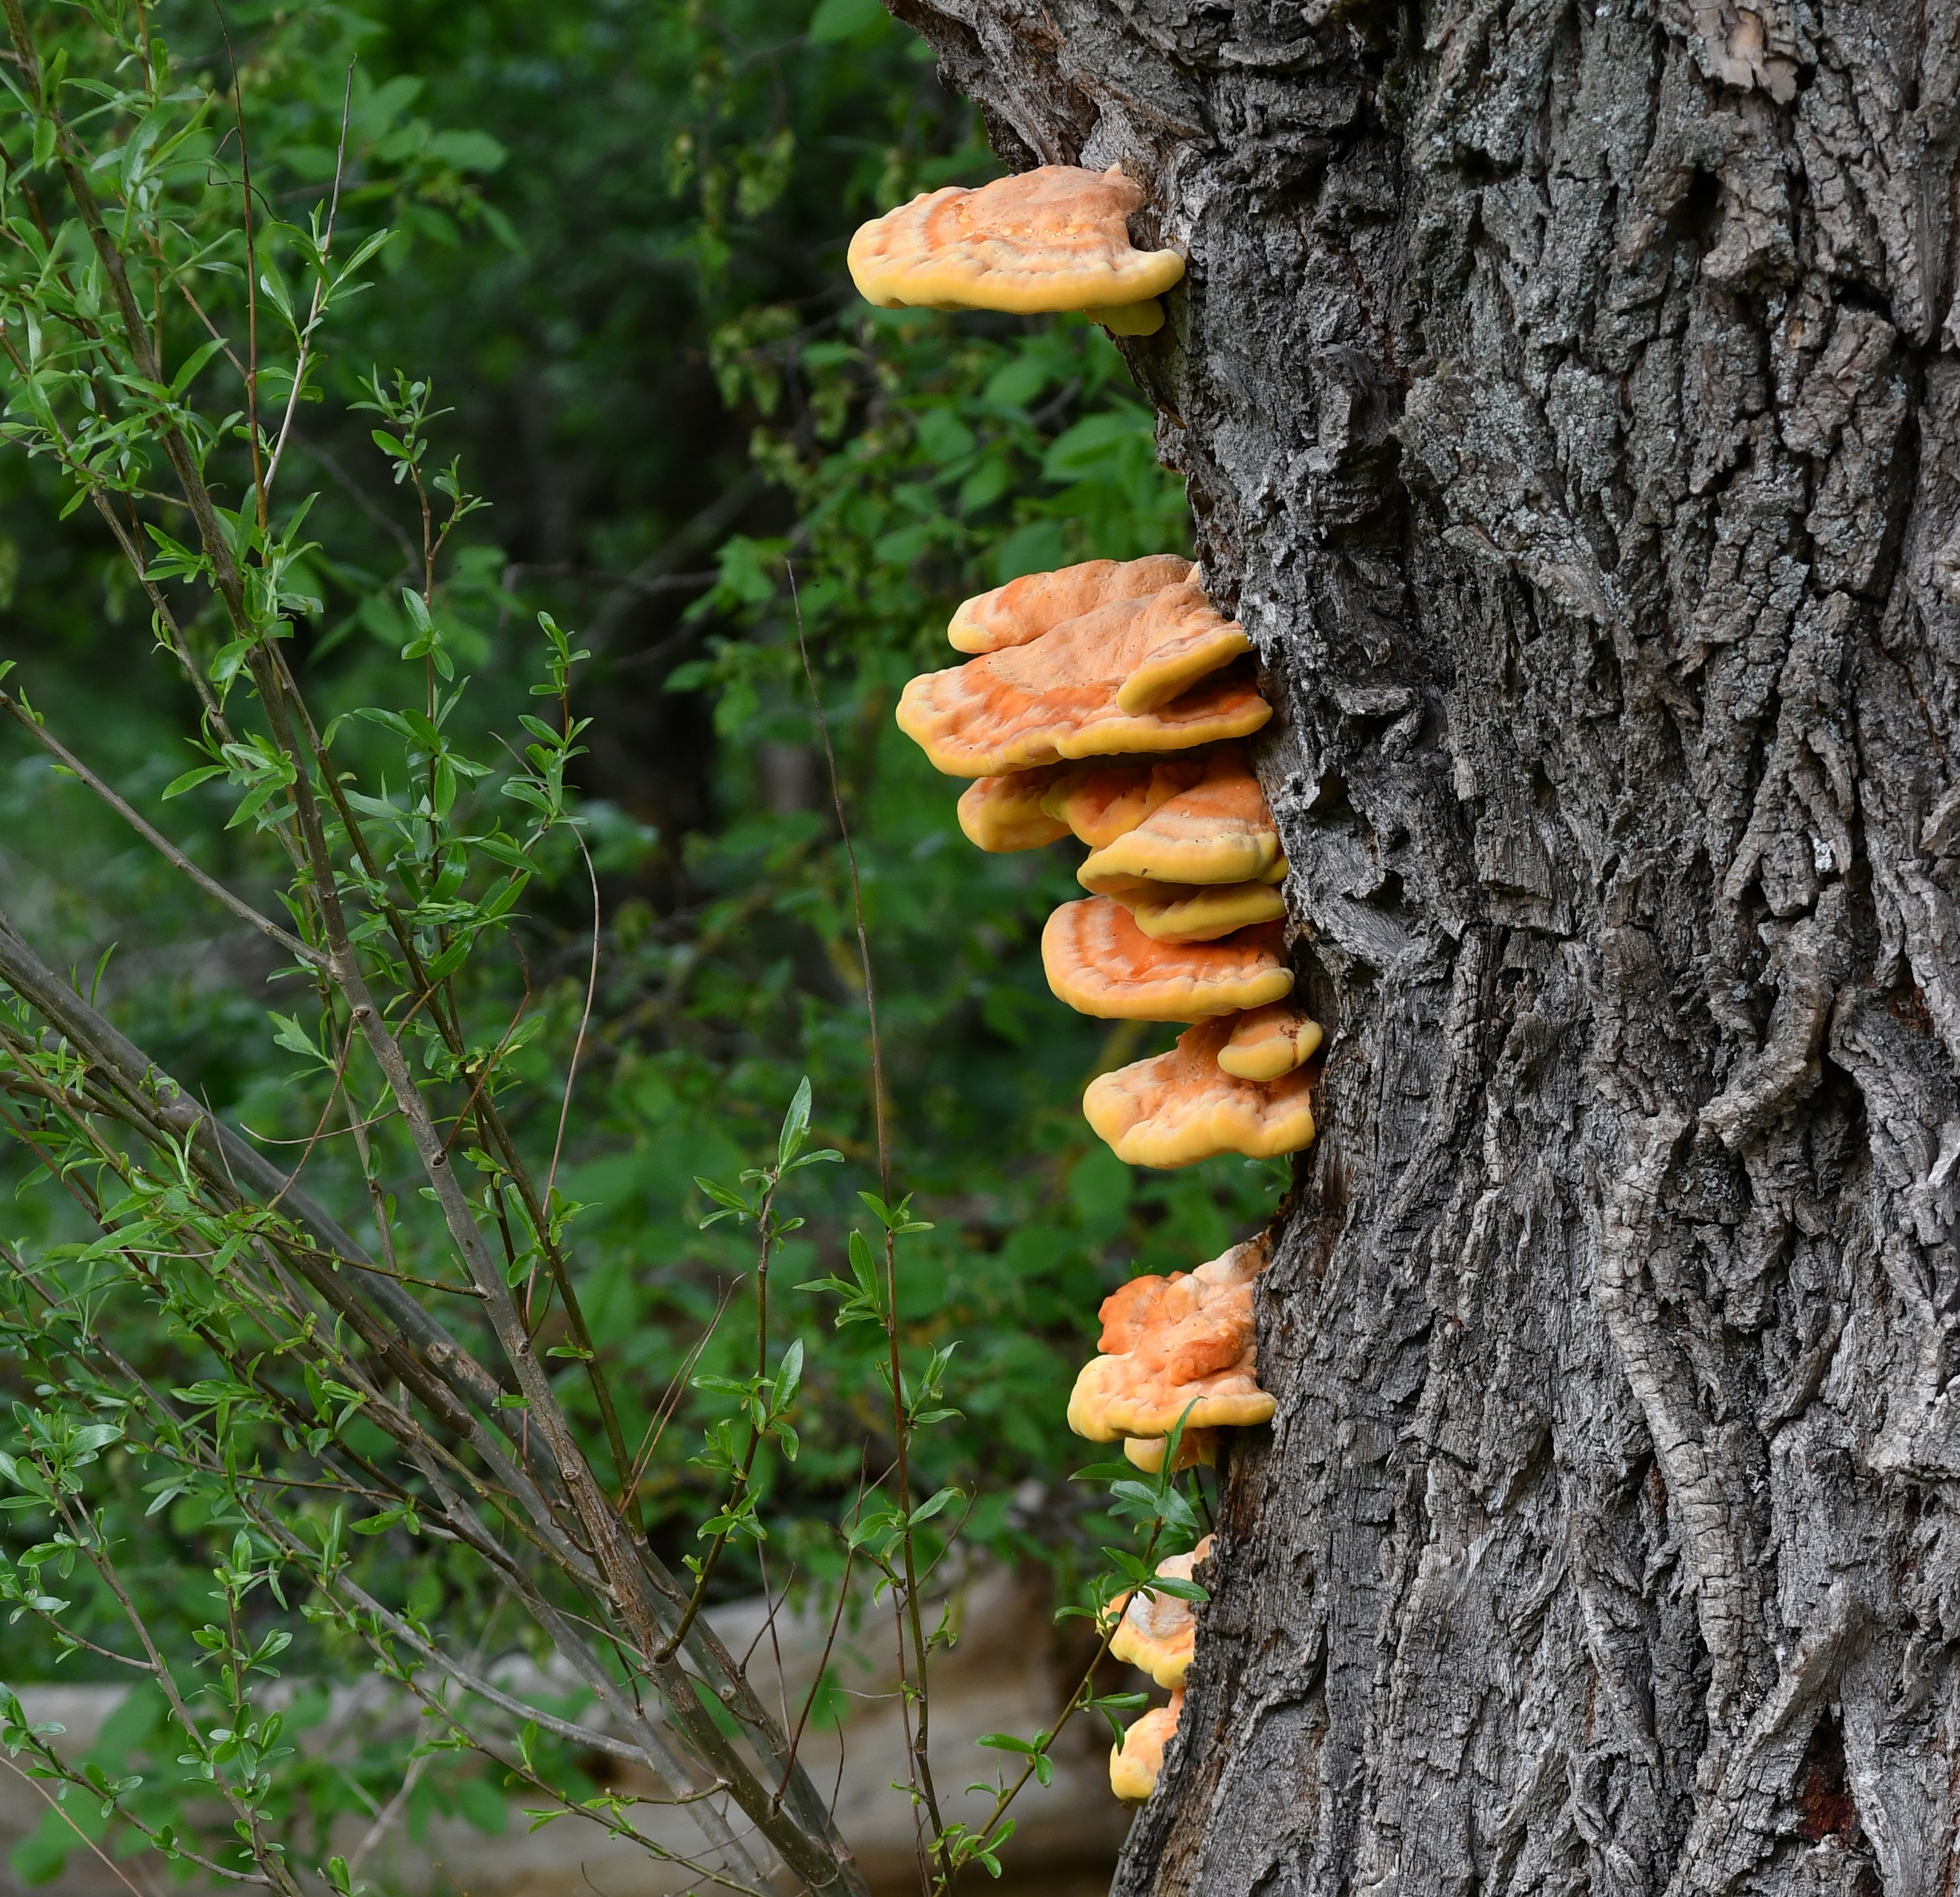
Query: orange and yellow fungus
[[1181, 1107], [1037, 602], [1180, 1346], [1136, 1762], [1054, 238], [1157, 1632], [1192, 912], [1099, 802], [1004, 813], [1099, 963], [1196, 1448], [1188, 639], [1058, 696], [1269, 1041], [1218, 831]]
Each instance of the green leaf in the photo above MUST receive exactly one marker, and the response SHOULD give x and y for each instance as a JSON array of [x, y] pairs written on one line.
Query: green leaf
[[796, 1125], [934, 1505], [836, 20]]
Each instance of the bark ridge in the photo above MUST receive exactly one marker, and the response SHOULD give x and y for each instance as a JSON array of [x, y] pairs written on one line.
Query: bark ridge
[[1569, 397]]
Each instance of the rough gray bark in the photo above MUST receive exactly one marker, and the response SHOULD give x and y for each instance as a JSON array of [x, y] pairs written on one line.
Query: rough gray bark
[[1569, 397]]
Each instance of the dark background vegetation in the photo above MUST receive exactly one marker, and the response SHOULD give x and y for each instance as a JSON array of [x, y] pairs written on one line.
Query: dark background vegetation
[[621, 226]]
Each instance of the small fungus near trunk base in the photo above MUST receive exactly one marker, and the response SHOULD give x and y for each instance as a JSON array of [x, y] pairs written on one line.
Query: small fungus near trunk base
[[1158, 1632], [1135, 1764], [1196, 1448]]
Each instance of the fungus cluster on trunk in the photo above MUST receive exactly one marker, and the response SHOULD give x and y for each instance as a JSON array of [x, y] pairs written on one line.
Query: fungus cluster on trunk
[[1107, 703], [1118, 725], [1158, 1633]]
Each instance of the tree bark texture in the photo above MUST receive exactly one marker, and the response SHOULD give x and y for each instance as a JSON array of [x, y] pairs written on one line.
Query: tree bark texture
[[1570, 400]]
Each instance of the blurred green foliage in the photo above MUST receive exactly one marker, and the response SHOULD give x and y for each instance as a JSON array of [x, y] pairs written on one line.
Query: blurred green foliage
[[619, 257]]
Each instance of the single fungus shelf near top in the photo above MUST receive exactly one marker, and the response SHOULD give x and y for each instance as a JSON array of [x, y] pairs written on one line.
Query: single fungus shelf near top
[[1054, 239]]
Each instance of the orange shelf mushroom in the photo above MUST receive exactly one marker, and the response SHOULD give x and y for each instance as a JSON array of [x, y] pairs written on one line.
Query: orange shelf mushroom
[[1218, 831], [1037, 602], [1181, 1107], [1099, 963], [1006, 813], [1158, 1632], [1180, 1346], [1136, 1765], [1135, 676], [1192, 911], [1054, 238], [1100, 802], [1196, 1448], [1268, 1042], [1097, 803]]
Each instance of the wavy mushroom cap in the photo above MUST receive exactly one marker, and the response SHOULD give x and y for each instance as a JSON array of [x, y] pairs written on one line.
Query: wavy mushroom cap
[[1189, 638], [1099, 963], [1157, 1632], [1179, 1346], [1268, 1042], [1002, 813], [1099, 802], [1190, 912], [1195, 1447], [1161, 1318], [1056, 697], [1054, 238], [1181, 1107], [1135, 1764], [1036, 602], [1218, 831]]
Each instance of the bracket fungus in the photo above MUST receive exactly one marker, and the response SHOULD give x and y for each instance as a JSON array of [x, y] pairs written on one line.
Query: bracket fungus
[[1192, 911], [1099, 963], [1157, 1632], [1100, 802], [1218, 831], [1037, 602], [1004, 813], [1054, 238], [1196, 1448], [1180, 1346], [1064, 695], [1136, 1763], [1268, 1042], [1178, 1107]]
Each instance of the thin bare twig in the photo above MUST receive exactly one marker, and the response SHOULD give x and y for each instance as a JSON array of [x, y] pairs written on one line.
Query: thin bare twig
[[319, 287], [585, 1021], [155, 838]]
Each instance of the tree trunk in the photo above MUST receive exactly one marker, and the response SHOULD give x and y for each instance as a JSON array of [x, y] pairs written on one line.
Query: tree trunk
[[1569, 398]]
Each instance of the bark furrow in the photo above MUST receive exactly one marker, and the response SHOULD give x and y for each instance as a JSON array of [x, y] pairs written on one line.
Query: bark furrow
[[1569, 400]]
